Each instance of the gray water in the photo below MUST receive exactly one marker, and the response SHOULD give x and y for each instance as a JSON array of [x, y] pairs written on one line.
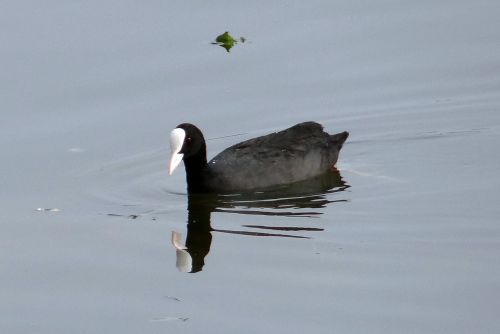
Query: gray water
[[408, 242]]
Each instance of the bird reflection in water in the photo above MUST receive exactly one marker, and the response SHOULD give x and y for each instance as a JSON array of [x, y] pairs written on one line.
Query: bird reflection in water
[[301, 199]]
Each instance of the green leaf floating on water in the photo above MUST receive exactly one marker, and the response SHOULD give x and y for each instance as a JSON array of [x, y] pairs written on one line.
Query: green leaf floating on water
[[227, 41], [225, 38]]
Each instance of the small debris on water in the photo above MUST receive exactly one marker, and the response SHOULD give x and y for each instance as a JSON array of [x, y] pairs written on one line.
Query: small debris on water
[[173, 298], [227, 41], [118, 215], [48, 209], [76, 150], [170, 319]]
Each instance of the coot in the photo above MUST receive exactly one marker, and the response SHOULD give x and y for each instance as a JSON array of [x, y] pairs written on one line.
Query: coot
[[295, 154]]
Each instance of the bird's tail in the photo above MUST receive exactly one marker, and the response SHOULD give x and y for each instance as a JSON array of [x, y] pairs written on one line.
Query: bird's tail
[[339, 139]]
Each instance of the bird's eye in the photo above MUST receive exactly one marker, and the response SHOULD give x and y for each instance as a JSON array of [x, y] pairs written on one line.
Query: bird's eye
[[189, 139]]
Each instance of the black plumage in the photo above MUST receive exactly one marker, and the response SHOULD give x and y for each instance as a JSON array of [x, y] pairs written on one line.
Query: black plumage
[[296, 154]]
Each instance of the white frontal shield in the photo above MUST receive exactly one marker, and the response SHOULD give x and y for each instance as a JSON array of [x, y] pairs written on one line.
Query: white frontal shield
[[176, 141]]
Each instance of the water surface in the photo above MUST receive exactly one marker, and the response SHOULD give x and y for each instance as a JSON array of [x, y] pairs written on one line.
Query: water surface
[[90, 91]]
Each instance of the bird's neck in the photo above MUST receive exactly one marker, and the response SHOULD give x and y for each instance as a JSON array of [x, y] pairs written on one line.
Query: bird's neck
[[196, 169]]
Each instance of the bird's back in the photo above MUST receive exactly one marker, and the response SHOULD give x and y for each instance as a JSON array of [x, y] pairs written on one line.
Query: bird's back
[[295, 154]]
